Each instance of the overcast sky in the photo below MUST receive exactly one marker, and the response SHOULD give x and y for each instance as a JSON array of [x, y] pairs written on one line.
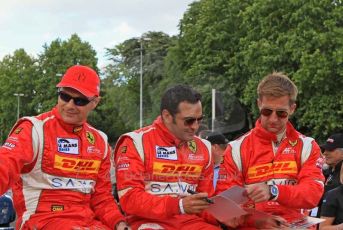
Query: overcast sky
[[29, 24]]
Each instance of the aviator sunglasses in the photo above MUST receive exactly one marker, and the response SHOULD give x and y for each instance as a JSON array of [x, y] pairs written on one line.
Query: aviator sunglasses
[[189, 121], [79, 101], [279, 113]]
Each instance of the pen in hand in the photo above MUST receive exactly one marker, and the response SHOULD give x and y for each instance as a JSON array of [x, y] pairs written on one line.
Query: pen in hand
[[206, 198]]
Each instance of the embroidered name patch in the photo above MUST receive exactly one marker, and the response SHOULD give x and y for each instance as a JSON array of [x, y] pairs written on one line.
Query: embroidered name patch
[[67, 145], [168, 153]]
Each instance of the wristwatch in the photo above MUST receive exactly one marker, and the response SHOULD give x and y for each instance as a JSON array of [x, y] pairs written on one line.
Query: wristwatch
[[274, 191]]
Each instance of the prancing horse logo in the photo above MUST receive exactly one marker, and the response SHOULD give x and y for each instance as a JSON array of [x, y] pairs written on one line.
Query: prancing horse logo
[[90, 137], [192, 146]]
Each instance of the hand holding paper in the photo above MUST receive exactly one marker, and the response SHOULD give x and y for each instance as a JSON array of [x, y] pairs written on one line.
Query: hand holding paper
[[228, 209], [195, 203], [227, 205]]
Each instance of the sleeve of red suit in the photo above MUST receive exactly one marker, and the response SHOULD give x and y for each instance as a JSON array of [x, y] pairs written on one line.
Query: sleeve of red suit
[[102, 200], [15, 153], [310, 187]]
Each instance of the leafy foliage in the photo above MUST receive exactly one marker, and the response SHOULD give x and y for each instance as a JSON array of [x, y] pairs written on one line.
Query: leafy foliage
[[17, 72], [36, 78], [227, 45], [123, 85], [230, 45]]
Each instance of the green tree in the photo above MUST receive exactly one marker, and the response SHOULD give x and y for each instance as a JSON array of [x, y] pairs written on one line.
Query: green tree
[[230, 45], [122, 80], [17, 76], [304, 40], [202, 56], [36, 78]]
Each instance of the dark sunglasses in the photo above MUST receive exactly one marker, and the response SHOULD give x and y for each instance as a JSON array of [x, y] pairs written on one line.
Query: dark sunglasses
[[189, 121], [279, 113], [79, 101]]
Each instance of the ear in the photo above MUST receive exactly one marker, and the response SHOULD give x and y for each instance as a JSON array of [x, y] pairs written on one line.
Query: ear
[[259, 103], [166, 117], [292, 108], [95, 102]]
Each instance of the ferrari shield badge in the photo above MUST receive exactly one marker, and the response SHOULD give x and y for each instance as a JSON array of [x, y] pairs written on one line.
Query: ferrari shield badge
[[192, 146], [90, 137]]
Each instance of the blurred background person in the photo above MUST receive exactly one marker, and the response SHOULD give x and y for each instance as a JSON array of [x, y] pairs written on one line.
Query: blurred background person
[[218, 145], [331, 207], [332, 170], [333, 156]]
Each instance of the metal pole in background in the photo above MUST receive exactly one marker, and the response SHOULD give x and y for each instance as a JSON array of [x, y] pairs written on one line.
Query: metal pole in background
[[141, 39], [18, 95], [141, 87], [213, 108]]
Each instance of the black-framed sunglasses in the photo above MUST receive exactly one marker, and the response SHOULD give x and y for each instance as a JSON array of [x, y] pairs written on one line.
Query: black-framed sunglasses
[[79, 101], [189, 121], [280, 113]]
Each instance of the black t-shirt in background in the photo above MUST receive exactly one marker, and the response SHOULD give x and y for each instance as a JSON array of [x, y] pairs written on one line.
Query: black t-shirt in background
[[332, 180], [332, 205], [332, 177]]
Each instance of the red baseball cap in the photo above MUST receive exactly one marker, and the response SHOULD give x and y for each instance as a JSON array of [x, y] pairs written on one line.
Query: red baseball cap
[[83, 79]]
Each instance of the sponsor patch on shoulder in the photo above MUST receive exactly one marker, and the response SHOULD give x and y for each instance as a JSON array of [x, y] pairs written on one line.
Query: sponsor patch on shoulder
[[293, 143], [77, 129], [288, 150], [123, 149], [18, 130], [195, 157], [168, 153], [123, 166], [93, 150], [8, 145], [68, 145]]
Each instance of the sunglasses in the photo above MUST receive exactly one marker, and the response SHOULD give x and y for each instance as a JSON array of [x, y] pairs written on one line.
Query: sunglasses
[[189, 121], [279, 113], [79, 101]]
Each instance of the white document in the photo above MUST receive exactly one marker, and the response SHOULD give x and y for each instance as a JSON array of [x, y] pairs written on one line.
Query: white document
[[306, 222], [227, 204]]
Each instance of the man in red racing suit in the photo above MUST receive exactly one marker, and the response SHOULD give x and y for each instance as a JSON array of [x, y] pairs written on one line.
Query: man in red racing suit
[[157, 164], [280, 168], [58, 165]]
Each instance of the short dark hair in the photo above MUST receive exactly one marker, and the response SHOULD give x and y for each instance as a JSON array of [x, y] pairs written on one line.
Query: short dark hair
[[173, 96]]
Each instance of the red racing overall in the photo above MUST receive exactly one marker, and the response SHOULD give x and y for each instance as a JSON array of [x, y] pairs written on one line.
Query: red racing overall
[[59, 175], [154, 169], [294, 169]]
